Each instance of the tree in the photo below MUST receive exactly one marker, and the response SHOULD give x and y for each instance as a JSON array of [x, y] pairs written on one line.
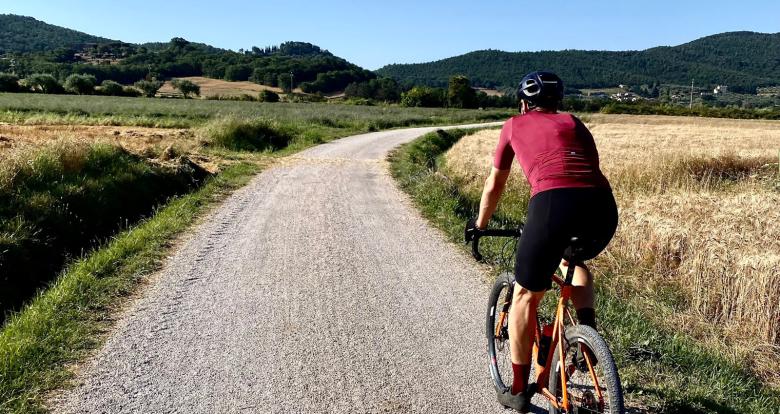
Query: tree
[[460, 94], [43, 82], [149, 87], [9, 82], [186, 87], [238, 72], [268, 96], [111, 88], [284, 81], [80, 84]]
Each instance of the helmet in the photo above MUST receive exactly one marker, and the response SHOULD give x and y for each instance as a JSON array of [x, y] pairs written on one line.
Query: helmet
[[541, 89]]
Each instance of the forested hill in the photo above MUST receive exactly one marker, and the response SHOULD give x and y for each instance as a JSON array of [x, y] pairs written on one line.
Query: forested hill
[[741, 60], [33, 47], [25, 34]]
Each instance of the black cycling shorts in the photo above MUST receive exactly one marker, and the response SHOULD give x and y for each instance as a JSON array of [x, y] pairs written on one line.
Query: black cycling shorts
[[554, 217]]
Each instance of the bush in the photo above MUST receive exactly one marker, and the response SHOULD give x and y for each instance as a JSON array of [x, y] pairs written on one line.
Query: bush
[[111, 88], [80, 84], [423, 96], [9, 82], [268, 96], [131, 91], [186, 87], [242, 135], [149, 88], [43, 82]]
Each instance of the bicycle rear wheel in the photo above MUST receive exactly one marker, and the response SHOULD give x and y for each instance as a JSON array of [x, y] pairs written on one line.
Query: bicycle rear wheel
[[497, 332], [583, 395]]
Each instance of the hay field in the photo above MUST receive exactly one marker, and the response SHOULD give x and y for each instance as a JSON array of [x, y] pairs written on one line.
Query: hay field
[[136, 139], [222, 88], [698, 245]]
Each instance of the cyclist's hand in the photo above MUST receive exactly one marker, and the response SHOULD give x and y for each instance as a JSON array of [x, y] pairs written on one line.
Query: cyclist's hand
[[471, 230]]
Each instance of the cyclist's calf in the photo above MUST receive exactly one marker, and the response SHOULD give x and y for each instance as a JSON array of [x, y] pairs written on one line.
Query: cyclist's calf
[[522, 322]]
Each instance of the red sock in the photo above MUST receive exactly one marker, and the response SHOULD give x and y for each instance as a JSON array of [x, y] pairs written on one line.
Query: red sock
[[520, 377]]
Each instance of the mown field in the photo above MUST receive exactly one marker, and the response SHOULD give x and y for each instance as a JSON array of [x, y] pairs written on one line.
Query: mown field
[[688, 285], [93, 191]]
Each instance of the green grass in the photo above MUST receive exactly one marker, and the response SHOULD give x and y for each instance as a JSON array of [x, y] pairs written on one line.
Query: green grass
[[663, 371], [59, 200], [61, 324], [184, 113]]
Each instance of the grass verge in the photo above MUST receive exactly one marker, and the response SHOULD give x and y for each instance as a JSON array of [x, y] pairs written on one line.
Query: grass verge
[[63, 323], [663, 371]]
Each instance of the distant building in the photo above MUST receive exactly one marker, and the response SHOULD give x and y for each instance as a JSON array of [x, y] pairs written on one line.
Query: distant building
[[720, 89]]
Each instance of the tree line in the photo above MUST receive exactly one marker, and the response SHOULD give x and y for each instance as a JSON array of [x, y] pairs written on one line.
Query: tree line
[[288, 65], [742, 60]]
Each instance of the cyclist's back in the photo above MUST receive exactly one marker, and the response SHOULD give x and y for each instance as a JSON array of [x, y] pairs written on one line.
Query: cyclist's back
[[555, 150]]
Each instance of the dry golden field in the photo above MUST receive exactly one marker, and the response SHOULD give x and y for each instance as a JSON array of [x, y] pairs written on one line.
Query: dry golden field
[[217, 87], [698, 245]]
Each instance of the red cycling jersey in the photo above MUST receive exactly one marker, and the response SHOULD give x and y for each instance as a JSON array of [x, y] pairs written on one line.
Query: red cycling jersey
[[555, 150]]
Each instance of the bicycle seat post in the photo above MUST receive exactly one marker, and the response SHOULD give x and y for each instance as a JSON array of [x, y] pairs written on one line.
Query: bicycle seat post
[[570, 273]]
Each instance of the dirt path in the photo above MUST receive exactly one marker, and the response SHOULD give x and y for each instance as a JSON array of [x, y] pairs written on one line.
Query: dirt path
[[317, 288]]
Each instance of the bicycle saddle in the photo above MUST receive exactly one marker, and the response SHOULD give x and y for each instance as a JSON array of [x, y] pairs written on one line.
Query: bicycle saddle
[[578, 250]]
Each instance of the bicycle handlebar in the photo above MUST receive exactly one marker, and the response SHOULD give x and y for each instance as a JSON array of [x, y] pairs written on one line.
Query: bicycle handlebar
[[478, 234]]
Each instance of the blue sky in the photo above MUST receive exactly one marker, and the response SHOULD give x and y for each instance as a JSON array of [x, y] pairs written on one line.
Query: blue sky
[[375, 33]]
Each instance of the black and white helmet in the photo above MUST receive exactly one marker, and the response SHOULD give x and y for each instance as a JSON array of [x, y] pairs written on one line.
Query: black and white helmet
[[541, 89]]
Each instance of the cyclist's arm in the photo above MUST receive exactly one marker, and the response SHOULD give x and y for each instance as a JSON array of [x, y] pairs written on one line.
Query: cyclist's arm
[[495, 183], [494, 187]]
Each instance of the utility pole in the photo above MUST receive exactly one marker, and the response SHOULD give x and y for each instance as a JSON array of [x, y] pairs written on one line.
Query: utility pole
[[691, 105], [292, 82]]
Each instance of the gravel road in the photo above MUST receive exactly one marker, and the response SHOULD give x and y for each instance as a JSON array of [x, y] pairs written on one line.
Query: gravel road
[[317, 288]]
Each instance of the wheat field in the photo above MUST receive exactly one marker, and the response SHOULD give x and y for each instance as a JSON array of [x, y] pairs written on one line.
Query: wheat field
[[698, 246]]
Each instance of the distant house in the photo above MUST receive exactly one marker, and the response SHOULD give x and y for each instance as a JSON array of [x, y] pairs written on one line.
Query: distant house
[[626, 97], [720, 89]]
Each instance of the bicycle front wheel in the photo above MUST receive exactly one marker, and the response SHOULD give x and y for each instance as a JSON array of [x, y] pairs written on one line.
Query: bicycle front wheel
[[581, 381], [497, 332]]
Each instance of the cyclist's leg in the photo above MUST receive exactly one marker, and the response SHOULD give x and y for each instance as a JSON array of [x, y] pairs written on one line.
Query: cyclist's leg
[[538, 253], [522, 323], [582, 295], [594, 215]]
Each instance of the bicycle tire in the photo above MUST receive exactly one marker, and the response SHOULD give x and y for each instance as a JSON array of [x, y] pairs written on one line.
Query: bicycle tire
[[498, 348], [606, 372]]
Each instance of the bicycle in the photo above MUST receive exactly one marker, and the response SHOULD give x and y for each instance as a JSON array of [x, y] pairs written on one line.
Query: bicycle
[[579, 384]]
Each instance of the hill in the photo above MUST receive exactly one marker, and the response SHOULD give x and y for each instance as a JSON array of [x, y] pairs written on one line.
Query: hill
[[37, 47], [21, 34], [742, 60]]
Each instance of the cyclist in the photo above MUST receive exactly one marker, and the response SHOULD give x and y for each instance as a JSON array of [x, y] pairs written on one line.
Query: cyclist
[[569, 197]]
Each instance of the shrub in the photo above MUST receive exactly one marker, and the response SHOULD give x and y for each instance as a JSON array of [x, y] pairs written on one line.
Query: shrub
[[149, 88], [43, 82], [9, 82], [131, 91], [80, 84], [186, 87], [111, 88], [268, 96], [423, 96], [246, 135]]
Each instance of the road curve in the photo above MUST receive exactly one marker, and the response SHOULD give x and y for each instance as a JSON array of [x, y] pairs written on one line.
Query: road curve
[[316, 288]]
